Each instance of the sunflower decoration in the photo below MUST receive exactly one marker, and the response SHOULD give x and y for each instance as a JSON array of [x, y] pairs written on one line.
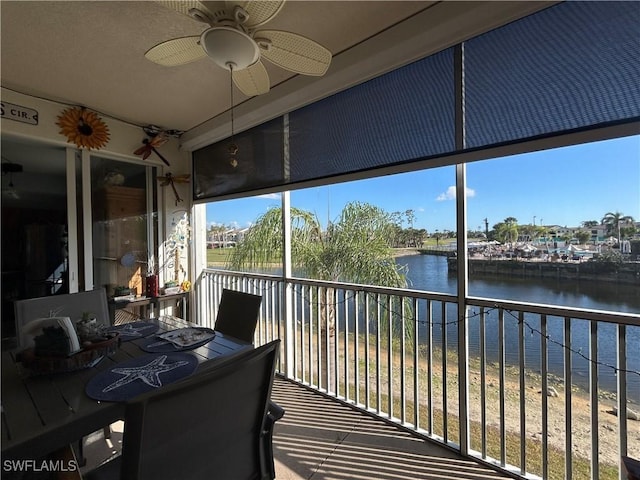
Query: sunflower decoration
[[84, 128]]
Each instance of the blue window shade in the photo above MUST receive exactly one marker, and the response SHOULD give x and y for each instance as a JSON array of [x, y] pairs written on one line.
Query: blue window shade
[[400, 116], [260, 163], [573, 65]]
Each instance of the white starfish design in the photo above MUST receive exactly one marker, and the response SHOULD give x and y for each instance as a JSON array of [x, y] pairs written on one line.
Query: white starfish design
[[129, 330], [149, 373]]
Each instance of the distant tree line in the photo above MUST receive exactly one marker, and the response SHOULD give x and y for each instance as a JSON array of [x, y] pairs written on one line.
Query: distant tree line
[[403, 234], [617, 225]]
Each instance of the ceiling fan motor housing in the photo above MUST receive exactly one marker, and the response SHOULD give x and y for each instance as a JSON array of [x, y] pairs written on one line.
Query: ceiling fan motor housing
[[228, 45]]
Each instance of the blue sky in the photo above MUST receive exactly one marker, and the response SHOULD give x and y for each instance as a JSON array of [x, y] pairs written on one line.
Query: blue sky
[[563, 186]]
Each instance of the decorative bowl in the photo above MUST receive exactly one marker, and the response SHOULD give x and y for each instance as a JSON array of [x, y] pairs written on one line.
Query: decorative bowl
[[91, 353], [170, 290]]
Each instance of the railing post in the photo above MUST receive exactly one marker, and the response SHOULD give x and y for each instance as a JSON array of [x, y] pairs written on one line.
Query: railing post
[[286, 303], [593, 396], [621, 403], [462, 252], [568, 443]]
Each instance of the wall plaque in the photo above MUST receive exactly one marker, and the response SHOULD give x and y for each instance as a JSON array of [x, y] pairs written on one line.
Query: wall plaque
[[19, 113]]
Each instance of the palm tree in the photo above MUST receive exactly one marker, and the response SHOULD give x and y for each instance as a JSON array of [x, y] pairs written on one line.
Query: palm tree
[[541, 232], [614, 221], [507, 231], [356, 248], [544, 232], [590, 223], [529, 231]]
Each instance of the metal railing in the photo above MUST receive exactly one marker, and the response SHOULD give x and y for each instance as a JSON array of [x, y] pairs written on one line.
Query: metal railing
[[547, 392]]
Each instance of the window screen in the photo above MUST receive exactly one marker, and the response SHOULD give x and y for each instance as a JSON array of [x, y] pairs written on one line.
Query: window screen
[[400, 116], [259, 157], [572, 65]]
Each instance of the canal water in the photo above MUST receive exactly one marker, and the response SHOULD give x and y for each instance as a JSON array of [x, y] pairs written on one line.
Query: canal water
[[430, 273]]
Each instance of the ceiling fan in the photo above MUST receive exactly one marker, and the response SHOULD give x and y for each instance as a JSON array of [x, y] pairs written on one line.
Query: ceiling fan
[[233, 42]]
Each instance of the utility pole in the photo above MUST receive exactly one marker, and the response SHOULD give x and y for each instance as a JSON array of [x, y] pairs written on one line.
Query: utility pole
[[486, 231]]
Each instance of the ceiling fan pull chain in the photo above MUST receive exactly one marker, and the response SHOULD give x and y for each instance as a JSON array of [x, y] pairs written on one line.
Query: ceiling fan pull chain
[[233, 148], [231, 90]]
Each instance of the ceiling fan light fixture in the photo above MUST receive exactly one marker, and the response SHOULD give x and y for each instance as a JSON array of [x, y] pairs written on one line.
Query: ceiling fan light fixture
[[226, 45]]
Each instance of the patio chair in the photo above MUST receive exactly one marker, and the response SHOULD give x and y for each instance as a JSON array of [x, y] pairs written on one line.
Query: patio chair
[[210, 425], [238, 314], [71, 305]]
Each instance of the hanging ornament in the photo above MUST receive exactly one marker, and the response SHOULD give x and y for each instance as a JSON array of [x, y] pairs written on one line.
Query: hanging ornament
[[84, 128], [170, 179], [157, 139]]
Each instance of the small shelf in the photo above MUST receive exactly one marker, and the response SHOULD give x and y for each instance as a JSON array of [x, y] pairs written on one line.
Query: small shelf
[[149, 307]]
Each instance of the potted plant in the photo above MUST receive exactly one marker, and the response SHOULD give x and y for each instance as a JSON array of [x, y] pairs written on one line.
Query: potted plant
[[171, 287], [121, 291]]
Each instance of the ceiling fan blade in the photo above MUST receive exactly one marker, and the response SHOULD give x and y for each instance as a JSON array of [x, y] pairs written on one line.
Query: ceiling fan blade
[[293, 52], [186, 6], [176, 52], [252, 80], [260, 11]]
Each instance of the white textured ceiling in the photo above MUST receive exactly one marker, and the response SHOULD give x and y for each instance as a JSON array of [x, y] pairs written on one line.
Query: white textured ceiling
[[91, 53]]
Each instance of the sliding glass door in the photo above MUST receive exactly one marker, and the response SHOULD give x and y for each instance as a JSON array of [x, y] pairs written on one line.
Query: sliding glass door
[[124, 224], [72, 221]]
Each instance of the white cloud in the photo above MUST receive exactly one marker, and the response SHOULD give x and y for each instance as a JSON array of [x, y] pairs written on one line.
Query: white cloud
[[450, 194], [270, 196]]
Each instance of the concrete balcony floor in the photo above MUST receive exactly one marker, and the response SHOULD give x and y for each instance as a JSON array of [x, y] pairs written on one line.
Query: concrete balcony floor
[[319, 438]]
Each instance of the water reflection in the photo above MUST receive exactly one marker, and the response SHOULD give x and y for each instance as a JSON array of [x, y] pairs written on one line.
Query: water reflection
[[430, 272], [425, 272]]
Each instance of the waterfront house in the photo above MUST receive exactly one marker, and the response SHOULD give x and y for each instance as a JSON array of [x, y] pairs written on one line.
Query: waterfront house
[[411, 86], [598, 233]]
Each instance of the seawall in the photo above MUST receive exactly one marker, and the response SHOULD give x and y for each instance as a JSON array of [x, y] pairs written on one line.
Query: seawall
[[627, 273]]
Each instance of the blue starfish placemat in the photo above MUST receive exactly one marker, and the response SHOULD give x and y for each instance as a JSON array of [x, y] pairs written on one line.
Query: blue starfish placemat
[[177, 340], [129, 379], [134, 330]]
